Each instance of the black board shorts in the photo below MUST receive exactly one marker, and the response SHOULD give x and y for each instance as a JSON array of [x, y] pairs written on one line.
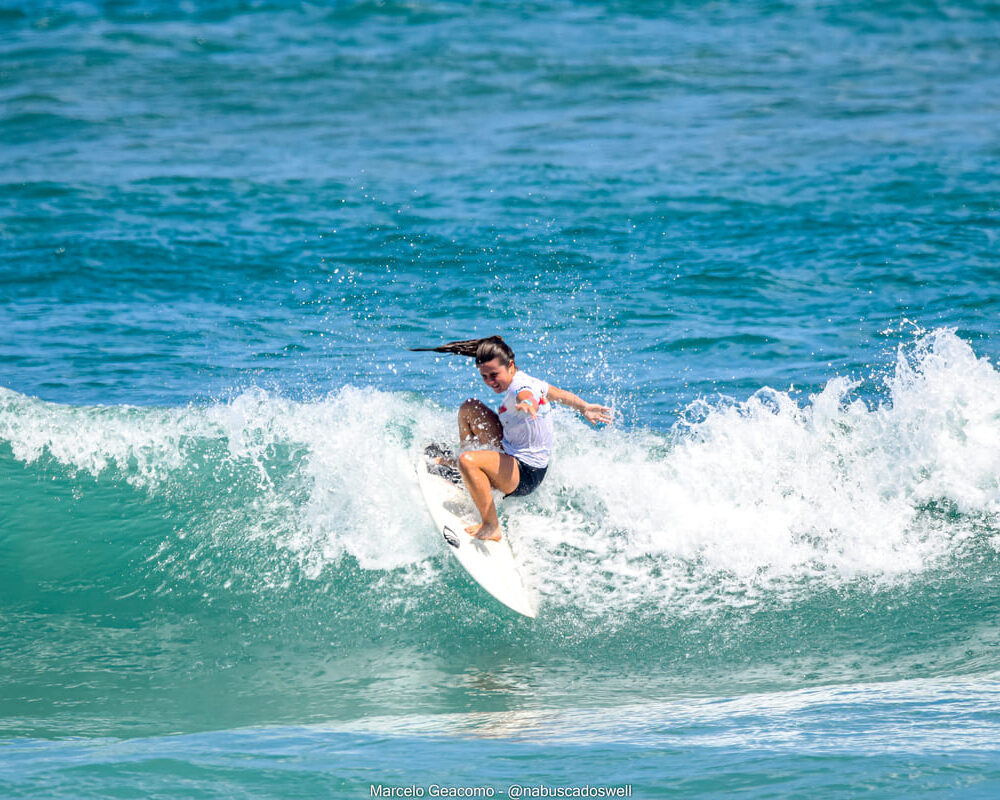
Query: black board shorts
[[531, 477]]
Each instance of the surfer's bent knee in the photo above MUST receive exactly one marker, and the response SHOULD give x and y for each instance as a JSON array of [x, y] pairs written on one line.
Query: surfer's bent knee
[[471, 405]]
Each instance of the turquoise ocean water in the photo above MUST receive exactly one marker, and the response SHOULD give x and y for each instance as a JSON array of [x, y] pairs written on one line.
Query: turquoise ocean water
[[765, 232]]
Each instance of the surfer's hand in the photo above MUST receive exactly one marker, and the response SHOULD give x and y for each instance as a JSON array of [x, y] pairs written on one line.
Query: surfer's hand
[[528, 408], [595, 413]]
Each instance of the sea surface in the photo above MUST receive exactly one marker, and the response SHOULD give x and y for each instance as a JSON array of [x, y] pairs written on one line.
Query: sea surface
[[766, 233]]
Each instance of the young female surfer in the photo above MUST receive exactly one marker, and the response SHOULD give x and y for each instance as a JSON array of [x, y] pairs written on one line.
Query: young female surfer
[[522, 430]]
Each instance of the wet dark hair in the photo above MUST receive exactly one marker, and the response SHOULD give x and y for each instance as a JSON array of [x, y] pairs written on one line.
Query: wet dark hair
[[482, 350]]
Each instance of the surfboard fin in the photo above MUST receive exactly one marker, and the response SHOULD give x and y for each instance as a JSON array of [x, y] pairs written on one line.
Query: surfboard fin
[[451, 538]]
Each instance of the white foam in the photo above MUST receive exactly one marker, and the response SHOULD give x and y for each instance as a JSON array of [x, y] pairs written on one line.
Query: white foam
[[770, 491], [359, 495]]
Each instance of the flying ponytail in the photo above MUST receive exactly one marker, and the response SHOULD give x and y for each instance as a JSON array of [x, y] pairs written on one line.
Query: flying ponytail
[[482, 350]]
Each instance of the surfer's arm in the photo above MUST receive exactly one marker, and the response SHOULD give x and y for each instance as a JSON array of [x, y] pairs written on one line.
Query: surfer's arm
[[527, 403], [591, 411]]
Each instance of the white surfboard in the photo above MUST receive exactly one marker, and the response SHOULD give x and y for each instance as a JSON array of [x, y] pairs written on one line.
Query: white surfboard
[[491, 564]]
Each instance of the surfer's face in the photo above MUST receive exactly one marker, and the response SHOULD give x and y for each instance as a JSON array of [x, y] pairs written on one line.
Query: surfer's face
[[496, 375]]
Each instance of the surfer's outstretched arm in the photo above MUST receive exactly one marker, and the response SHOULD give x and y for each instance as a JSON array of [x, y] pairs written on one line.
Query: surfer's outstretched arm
[[591, 411]]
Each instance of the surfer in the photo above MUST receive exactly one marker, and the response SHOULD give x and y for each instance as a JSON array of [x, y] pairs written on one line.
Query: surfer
[[521, 432]]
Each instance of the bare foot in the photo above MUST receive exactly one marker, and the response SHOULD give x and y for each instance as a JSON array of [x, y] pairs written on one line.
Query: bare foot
[[490, 533], [445, 462]]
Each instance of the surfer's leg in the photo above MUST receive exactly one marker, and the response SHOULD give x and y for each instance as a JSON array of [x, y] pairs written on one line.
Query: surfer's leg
[[483, 470], [477, 423]]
